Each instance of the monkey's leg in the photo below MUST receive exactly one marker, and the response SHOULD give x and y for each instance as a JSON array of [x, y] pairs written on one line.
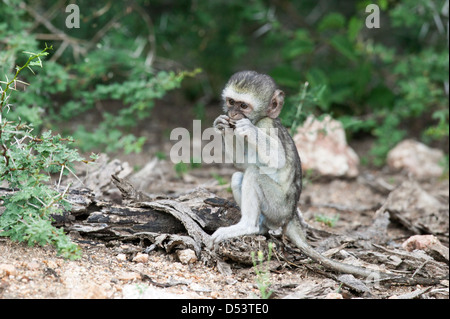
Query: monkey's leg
[[236, 186], [250, 209]]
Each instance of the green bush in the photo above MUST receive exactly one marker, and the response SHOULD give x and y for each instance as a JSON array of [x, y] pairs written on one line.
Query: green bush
[[386, 83], [87, 77], [27, 161]]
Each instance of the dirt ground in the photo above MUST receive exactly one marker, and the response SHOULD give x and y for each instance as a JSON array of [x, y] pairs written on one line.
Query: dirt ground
[[104, 271], [110, 269]]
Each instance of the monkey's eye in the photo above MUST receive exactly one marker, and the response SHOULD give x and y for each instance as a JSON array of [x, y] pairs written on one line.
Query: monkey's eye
[[231, 102], [244, 106]]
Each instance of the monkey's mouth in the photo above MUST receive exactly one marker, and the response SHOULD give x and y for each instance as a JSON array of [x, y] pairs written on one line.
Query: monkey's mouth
[[233, 122]]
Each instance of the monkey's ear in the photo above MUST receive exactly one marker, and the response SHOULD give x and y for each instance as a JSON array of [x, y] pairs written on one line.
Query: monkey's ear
[[276, 104]]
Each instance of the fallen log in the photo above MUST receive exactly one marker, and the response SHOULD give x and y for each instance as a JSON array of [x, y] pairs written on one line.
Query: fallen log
[[187, 219]]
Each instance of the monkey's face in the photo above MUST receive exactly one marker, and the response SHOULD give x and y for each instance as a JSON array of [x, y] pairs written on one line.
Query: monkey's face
[[237, 110], [253, 96]]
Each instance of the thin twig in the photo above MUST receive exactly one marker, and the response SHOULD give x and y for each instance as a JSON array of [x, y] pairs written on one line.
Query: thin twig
[[419, 268], [151, 37], [74, 175], [60, 175]]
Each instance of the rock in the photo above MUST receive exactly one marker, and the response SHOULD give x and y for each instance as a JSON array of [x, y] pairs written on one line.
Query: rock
[[334, 295], [129, 276], [416, 158], [323, 147], [428, 243], [417, 210], [187, 256], [141, 258], [421, 242], [121, 257], [7, 270]]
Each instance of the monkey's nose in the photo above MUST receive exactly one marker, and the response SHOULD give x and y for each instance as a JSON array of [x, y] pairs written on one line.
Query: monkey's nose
[[236, 116]]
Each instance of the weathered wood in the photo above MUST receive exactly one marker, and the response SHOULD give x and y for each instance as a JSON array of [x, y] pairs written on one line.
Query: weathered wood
[[167, 222], [180, 212], [117, 222]]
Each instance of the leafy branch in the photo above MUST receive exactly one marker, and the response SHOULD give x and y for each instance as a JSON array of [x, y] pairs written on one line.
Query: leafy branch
[[28, 64], [26, 164]]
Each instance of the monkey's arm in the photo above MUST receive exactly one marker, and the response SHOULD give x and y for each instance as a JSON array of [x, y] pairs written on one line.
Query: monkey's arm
[[222, 126], [221, 123], [264, 142]]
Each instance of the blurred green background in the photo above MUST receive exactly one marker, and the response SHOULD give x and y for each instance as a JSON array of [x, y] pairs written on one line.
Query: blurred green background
[[103, 80]]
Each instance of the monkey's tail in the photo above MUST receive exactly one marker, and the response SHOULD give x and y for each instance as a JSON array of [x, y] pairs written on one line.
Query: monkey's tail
[[294, 232]]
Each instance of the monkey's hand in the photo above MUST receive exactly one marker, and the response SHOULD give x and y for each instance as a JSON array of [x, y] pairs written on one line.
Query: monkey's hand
[[245, 128], [221, 123]]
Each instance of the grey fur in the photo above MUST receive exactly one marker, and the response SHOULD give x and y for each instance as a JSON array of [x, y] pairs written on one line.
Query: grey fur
[[253, 82]]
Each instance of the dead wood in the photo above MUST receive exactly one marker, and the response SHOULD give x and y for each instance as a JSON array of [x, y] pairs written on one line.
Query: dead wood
[[129, 193], [183, 221]]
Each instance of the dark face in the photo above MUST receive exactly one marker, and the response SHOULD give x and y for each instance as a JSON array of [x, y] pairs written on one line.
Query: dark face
[[238, 109]]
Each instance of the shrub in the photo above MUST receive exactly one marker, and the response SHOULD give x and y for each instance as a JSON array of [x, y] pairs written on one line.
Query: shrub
[[27, 161]]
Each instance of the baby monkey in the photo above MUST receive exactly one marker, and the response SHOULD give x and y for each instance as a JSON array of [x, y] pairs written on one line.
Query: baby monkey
[[269, 186]]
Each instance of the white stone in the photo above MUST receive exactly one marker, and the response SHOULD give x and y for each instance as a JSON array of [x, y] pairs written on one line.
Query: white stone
[[416, 158], [323, 147], [141, 258], [187, 256]]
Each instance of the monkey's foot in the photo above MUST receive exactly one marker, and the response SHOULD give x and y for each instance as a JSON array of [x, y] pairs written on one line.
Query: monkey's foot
[[237, 230]]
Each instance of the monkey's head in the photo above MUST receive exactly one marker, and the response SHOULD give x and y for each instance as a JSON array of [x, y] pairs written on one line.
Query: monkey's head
[[252, 95]]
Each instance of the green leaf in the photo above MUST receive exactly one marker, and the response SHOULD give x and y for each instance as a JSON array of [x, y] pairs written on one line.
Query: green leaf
[[354, 27], [331, 21], [300, 44], [284, 76], [343, 45]]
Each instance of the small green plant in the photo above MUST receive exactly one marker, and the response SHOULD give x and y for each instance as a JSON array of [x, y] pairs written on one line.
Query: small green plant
[[222, 181], [161, 155], [261, 268], [330, 221], [26, 164], [181, 168]]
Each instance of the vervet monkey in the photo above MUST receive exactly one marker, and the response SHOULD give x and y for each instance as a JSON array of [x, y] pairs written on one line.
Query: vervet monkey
[[269, 187]]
